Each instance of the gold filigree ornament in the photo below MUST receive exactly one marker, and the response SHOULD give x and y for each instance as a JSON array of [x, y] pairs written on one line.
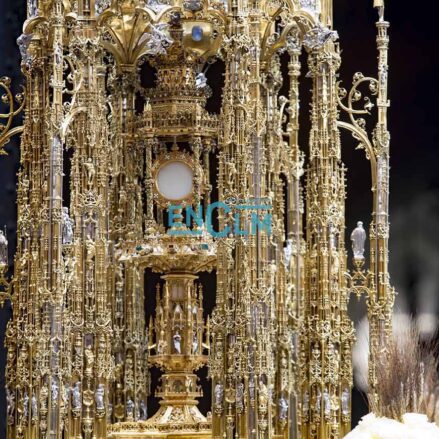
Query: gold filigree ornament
[[14, 106], [125, 155], [171, 170]]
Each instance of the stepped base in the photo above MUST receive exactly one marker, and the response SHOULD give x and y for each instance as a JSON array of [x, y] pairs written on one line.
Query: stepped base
[[170, 422], [135, 431]]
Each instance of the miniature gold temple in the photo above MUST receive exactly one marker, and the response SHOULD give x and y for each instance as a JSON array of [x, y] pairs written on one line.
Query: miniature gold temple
[[127, 170]]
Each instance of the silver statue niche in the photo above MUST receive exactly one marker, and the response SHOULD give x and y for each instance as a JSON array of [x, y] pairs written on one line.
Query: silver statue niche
[[177, 342], [130, 408], [99, 397], [32, 8], [288, 252], [76, 396], [219, 394], [10, 404], [345, 402], [25, 405], [143, 411], [67, 227], [23, 42], [54, 390], [283, 408], [3, 248], [358, 238], [195, 344], [34, 407]]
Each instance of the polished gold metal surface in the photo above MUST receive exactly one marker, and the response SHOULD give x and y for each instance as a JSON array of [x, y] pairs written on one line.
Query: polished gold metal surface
[[94, 221]]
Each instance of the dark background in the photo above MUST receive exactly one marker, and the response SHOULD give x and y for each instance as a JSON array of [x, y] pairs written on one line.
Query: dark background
[[413, 124]]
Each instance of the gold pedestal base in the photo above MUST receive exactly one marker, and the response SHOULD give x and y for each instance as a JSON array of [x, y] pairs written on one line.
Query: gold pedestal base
[[170, 422], [146, 435], [145, 430]]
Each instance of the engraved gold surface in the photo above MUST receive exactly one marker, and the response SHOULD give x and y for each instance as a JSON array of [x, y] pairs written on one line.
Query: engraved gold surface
[[278, 343]]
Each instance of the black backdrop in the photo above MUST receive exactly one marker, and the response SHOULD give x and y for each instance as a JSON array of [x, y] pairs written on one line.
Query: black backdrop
[[414, 179]]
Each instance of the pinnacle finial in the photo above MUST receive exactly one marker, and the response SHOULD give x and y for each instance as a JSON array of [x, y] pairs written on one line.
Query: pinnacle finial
[[379, 4]]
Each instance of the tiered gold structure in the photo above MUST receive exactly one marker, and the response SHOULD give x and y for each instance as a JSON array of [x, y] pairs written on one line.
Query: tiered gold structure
[[114, 181]]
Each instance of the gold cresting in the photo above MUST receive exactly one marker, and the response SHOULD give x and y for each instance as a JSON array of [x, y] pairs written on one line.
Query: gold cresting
[[278, 343]]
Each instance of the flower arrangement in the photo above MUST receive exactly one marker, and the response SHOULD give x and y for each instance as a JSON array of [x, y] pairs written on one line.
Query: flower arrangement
[[405, 403]]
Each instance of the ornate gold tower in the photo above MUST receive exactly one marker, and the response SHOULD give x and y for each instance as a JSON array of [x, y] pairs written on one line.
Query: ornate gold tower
[[126, 175]]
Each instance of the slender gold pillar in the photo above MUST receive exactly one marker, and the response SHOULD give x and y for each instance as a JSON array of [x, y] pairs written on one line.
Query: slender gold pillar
[[326, 379]]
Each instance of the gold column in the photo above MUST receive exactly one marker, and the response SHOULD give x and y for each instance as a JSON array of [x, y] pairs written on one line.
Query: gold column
[[91, 318], [178, 347], [327, 336], [242, 360], [382, 295]]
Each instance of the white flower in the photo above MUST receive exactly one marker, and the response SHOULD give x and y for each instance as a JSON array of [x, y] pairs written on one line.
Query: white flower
[[385, 428], [414, 419], [418, 426], [414, 426], [357, 434], [367, 420]]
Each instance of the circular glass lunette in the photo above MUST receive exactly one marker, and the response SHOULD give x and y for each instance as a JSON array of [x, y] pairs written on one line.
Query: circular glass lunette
[[175, 180]]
